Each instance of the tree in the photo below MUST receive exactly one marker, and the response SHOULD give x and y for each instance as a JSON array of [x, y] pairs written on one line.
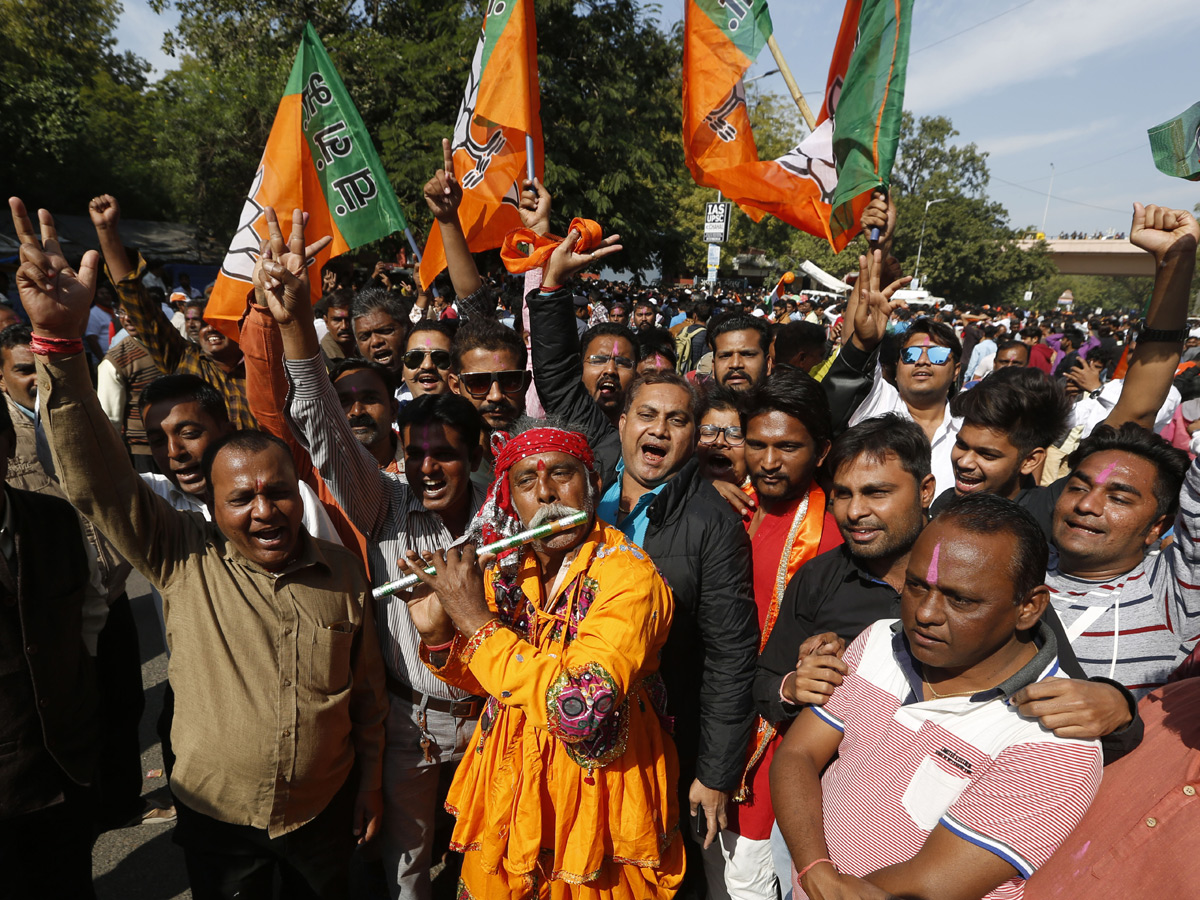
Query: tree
[[969, 254], [64, 88]]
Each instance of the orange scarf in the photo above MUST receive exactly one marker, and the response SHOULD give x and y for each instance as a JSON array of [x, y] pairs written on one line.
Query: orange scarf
[[590, 235], [804, 539]]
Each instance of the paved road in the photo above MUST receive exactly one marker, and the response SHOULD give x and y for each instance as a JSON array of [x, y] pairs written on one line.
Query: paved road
[[141, 863]]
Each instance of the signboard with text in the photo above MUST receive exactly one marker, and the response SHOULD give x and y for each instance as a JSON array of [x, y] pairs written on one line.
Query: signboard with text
[[716, 223]]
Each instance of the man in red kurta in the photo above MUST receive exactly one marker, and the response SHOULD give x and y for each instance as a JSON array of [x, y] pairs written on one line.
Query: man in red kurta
[[788, 434]]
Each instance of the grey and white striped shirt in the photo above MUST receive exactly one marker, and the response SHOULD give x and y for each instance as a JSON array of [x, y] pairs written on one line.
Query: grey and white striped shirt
[[380, 504]]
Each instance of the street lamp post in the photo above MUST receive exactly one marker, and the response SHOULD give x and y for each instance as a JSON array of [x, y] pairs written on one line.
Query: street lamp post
[[921, 242]]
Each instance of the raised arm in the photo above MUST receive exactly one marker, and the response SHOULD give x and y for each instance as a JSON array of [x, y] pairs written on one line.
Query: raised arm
[[1171, 235], [162, 340], [93, 467], [443, 195], [266, 383], [313, 411], [554, 340]]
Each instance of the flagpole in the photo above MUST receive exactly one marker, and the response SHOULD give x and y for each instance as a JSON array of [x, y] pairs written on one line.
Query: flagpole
[[529, 173], [793, 88]]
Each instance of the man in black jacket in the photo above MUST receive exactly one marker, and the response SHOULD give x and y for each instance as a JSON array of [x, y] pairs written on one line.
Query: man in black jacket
[[661, 502], [49, 728]]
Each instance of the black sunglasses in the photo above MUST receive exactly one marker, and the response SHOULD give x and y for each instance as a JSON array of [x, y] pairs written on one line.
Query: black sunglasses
[[414, 359], [479, 384]]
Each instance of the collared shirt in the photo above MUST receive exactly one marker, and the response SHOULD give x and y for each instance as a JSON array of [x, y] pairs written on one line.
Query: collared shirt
[[973, 765], [279, 687], [316, 521], [175, 354], [1145, 822], [637, 520], [831, 592], [380, 504]]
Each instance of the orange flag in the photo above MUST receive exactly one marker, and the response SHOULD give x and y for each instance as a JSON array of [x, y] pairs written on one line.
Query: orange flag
[[822, 185], [318, 158], [500, 109]]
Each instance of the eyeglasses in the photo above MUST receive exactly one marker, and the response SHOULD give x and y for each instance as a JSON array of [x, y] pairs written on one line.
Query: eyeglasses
[[937, 356], [414, 359], [599, 359], [479, 384], [734, 435]]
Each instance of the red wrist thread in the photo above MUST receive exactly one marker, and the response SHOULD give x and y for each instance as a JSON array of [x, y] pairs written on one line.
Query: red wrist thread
[[551, 288], [815, 862], [439, 648], [44, 346]]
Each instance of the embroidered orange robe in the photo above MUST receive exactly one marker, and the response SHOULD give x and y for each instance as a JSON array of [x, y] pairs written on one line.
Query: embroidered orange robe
[[569, 787]]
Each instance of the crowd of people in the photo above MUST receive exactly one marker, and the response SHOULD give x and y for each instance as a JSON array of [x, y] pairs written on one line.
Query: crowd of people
[[866, 602]]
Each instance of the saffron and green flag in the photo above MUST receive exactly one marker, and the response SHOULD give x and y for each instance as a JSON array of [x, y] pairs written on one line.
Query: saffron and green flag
[[499, 123], [822, 185], [318, 158], [1176, 145]]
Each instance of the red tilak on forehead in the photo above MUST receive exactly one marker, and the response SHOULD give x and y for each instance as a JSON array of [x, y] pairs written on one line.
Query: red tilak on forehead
[[541, 465], [258, 484]]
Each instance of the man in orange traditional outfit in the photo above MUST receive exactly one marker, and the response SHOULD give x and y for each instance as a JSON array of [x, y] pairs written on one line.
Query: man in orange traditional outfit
[[570, 790], [788, 433]]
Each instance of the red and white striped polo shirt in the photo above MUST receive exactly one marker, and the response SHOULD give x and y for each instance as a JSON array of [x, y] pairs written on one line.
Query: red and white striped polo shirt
[[973, 765]]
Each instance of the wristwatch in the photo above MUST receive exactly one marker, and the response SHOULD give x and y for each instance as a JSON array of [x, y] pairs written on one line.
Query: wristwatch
[[1162, 335]]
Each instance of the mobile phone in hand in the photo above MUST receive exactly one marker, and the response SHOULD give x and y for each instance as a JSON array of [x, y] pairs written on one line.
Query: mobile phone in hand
[[700, 824]]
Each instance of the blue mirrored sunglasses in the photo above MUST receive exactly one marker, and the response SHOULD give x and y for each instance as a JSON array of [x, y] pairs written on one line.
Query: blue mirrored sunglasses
[[938, 356]]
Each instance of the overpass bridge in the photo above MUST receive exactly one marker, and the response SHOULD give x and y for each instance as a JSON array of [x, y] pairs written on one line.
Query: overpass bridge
[[1096, 257]]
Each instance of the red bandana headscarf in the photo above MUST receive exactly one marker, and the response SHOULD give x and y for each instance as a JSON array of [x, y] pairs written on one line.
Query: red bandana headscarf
[[497, 518]]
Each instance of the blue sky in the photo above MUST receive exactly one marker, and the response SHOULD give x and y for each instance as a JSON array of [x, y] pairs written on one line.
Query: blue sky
[[1075, 83]]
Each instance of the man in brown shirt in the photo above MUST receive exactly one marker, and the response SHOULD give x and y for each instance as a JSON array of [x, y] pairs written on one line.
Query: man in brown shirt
[[275, 664]]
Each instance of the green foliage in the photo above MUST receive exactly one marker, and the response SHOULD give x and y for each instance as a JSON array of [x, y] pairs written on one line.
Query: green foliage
[[62, 85]]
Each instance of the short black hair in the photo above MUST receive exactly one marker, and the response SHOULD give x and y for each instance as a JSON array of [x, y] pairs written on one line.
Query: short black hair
[[249, 440], [437, 325], [655, 340], [702, 309], [485, 334], [1170, 462], [983, 514], [939, 332], [879, 436], [666, 377], [354, 363], [18, 335], [338, 298], [717, 396], [1010, 344], [728, 322], [606, 329], [793, 337], [185, 388], [449, 409], [796, 394], [1029, 406]]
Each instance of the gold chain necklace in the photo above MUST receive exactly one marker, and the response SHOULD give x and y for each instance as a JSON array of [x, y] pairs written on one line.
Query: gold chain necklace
[[938, 696]]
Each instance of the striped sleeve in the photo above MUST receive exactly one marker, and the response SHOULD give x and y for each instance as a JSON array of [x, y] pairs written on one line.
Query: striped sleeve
[[1028, 801], [1183, 560], [350, 472], [842, 700]]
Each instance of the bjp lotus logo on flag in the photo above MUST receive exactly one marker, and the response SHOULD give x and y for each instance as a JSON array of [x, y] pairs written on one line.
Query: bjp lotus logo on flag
[[318, 158], [822, 185], [497, 134]]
